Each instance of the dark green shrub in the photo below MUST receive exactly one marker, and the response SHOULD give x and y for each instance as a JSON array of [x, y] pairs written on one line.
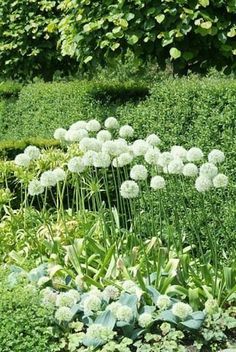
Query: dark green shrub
[[194, 34], [25, 324], [28, 39]]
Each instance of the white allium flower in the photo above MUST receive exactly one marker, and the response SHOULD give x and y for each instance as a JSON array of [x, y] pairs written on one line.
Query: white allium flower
[[164, 159], [122, 145], [35, 188], [47, 179], [88, 157], [90, 144], [59, 174], [43, 280], [95, 291], [92, 303], [140, 147], [152, 156], [216, 156], [99, 332], [203, 184], [76, 165], [74, 293], [181, 310], [102, 160], [144, 320], [79, 125], [104, 136], [157, 182], [123, 159], [138, 172], [59, 134], [208, 170], [124, 313], [64, 314], [22, 160], [190, 170], [67, 299], [220, 181], [111, 292], [49, 296], [129, 286], [32, 152], [163, 302], [111, 123], [93, 126], [126, 131], [179, 152], [129, 189], [194, 154], [175, 166], [115, 148], [153, 140], [76, 135], [113, 307]]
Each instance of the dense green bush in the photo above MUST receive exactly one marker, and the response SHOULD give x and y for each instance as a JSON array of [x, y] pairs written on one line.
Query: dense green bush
[[25, 324], [28, 39], [9, 89], [188, 111], [42, 107], [194, 34]]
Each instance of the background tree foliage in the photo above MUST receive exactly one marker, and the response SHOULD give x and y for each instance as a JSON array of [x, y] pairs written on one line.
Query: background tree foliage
[[28, 38], [193, 34]]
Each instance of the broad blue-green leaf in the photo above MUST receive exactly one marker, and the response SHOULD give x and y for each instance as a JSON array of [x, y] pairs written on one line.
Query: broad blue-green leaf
[[153, 293], [106, 319], [168, 316]]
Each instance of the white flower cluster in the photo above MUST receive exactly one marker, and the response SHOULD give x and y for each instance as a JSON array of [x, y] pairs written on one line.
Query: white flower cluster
[[181, 310], [47, 179], [99, 332], [101, 149], [163, 302], [145, 319], [129, 189], [30, 153], [67, 299], [92, 303]]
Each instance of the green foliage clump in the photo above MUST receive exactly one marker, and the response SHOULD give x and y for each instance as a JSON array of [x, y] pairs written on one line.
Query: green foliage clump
[[28, 39], [25, 324], [195, 34], [9, 89]]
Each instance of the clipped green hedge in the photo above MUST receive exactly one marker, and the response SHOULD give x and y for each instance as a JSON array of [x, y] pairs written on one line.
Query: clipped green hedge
[[188, 111], [9, 149], [43, 107]]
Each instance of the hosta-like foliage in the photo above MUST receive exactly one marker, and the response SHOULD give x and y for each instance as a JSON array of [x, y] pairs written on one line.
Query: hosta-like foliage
[[194, 34], [28, 38]]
